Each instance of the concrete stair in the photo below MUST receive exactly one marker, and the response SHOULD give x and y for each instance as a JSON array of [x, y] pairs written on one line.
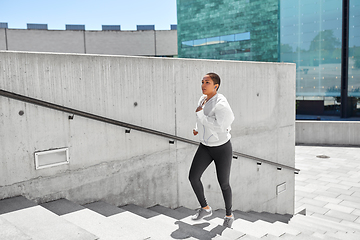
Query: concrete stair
[[22, 219]]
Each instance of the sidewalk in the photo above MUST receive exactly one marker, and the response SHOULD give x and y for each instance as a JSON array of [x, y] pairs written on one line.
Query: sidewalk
[[329, 188]]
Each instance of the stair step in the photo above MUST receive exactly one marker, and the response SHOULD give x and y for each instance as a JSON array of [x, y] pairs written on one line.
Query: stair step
[[62, 206], [14, 204], [305, 230], [326, 223], [39, 223], [92, 221], [301, 236], [103, 208], [326, 236], [248, 228], [169, 222], [217, 220], [121, 217], [287, 228], [201, 229], [306, 227], [168, 212], [249, 237], [270, 237], [9, 232], [143, 212], [301, 220], [269, 228], [271, 217], [245, 216], [104, 228], [342, 235], [288, 236]]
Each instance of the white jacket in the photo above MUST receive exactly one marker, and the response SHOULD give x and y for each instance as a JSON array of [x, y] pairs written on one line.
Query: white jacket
[[213, 122]]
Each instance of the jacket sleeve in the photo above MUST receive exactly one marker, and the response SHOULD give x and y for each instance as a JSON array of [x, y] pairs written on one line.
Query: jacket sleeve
[[196, 127], [222, 120]]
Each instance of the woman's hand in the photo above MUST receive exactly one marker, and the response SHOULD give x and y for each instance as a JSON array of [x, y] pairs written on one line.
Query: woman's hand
[[195, 132], [199, 109]]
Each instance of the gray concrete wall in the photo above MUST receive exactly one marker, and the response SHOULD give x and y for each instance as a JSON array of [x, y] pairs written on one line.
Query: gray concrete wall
[[166, 42], [2, 39], [121, 43], [45, 40], [136, 43], [107, 163], [328, 132]]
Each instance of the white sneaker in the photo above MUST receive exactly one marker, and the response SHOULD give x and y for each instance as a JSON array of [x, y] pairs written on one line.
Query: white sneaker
[[202, 213], [228, 221]]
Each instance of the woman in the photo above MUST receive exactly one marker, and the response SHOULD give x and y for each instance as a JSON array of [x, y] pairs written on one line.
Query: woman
[[214, 117]]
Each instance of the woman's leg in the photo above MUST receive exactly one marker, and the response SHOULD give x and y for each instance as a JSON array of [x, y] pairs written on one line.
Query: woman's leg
[[223, 157], [201, 161]]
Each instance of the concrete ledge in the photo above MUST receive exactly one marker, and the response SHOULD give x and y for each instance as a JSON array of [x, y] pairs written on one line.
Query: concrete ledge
[[343, 133]]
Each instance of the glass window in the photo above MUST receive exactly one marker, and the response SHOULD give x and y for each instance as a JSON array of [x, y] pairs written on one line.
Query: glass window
[[213, 40], [354, 56], [200, 42], [187, 44], [227, 38], [313, 42], [242, 36]]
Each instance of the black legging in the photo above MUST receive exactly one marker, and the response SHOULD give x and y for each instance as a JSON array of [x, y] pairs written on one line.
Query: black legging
[[222, 156]]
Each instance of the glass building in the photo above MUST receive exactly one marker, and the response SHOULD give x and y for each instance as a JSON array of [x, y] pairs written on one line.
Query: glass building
[[228, 29], [305, 32]]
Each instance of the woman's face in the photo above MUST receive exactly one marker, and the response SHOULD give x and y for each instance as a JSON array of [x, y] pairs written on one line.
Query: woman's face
[[208, 87]]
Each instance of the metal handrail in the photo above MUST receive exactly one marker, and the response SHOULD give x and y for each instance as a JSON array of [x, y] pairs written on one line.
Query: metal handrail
[[127, 125]]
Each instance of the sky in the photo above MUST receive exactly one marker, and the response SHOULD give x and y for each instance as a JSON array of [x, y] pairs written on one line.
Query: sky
[[93, 14]]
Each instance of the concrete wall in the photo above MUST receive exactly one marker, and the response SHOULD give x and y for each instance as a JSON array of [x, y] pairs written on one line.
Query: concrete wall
[[159, 93], [328, 132], [2, 39], [45, 41], [166, 42], [136, 43]]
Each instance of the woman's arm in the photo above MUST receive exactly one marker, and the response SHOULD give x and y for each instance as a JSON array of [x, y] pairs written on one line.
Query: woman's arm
[[222, 120]]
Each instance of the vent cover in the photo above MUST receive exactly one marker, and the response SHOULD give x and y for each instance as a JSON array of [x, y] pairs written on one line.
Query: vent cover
[[145, 27], [51, 158], [3, 25], [74, 27], [281, 188], [111, 27], [37, 26]]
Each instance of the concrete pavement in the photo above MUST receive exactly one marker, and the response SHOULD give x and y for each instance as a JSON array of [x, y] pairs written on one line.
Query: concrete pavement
[[328, 185]]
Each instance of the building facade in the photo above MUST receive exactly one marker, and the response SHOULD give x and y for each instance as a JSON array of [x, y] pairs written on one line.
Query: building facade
[[151, 43], [231, 30], [305, 32]]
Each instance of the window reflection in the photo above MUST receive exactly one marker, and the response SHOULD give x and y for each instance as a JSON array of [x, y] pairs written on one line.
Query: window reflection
[[310, 36], [217, 40], [227, 38], [214, 40], [187, 44], [242, 36], [199, 42]]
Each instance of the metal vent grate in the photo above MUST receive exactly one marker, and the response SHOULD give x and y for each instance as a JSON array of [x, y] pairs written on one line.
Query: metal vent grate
[[281, 188], [3, 25], [74, 27], [51, 158], [37, 26], [111, 27], [145, 27]]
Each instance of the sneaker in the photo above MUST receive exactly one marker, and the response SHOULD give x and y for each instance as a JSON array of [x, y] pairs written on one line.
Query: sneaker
[[201, 213], [228, 221]]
